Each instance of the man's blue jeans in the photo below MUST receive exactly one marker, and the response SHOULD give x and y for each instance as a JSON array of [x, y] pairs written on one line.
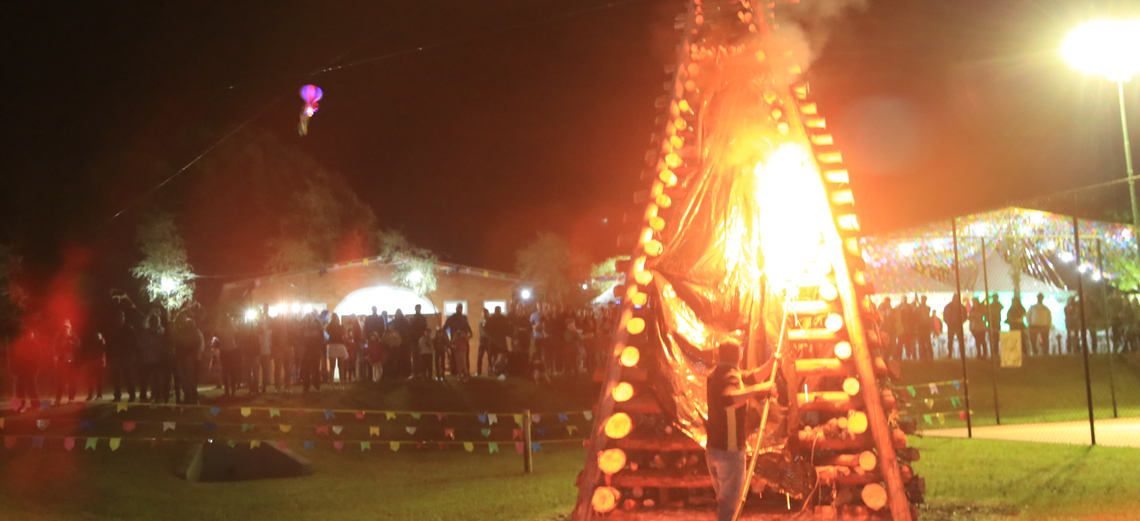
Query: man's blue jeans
[[727, 469]]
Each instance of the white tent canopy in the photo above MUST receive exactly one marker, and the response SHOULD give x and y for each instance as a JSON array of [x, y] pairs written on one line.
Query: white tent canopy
[[385, 298]]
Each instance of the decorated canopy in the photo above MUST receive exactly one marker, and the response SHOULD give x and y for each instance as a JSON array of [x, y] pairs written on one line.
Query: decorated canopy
[[1027, 250]]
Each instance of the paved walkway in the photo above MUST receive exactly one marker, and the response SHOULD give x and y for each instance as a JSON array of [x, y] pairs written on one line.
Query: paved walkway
[[1121, 432]]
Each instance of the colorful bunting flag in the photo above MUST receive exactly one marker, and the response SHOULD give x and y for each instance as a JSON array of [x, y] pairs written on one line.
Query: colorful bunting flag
[[933, 388], [323, 429], [562, 417], [516, 434], [442, 446], [941, 418], [37, 443], [215, 410], [520, 447], [253, 444], [281, 445], [589, 415], [86, 425], [482, 418], [394, 445], [365, 445], [246, 427], [519, 419], [492, 448], [120, 407], [308, 445], [962, 415], [571, 428], [955, 402], [450, 433], [231, 443], [410, 429], [208, 426], [167, 426], [910, 390], [535, 446], [115, 442], [416, 415], [9, 442], [338, 445], [337, 429], [274, 413], [69, 443], [390, 416], [246, 411], [926, 418], [486, 432], [420, 445], [535, 418], [128, 426], [440, 416], [468, 446], [929, 403], [374, 431], [329, 415], [360, 415], [542, 432], [957, 385], [91, 443], [285, 428]]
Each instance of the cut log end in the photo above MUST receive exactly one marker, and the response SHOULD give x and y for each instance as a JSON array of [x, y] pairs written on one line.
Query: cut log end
[[874, 496]]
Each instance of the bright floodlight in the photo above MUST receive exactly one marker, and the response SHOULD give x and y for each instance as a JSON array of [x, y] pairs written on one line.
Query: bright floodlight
[[251, 314], [415, 276], [584, 286], [1110, 48], [525, 294], [168, 285]]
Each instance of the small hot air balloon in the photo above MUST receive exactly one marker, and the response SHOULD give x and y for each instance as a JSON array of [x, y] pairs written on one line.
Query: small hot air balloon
[[311, 94]]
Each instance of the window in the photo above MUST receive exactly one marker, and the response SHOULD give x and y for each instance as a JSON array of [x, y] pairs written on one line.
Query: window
[[449, 307], [489, 305]]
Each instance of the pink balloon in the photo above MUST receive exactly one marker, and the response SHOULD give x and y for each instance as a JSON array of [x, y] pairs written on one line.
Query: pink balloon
[[311, 93]]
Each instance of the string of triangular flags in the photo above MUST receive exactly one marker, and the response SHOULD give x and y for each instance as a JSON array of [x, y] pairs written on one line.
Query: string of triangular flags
[[69, 443], [450, 268]]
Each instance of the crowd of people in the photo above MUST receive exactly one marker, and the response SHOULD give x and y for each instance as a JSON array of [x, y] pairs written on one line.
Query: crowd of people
[[161, 359], [913, 330]]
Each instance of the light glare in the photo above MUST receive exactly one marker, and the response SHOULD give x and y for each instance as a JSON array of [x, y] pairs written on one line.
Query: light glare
[[1109, 48]]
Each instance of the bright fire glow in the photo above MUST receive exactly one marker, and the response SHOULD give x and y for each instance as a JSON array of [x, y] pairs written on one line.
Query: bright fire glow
[[793, 215], [1109, 48], [251, 315], [168, 285]]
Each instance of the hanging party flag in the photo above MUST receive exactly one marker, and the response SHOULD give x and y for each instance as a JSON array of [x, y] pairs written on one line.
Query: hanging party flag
[[416, 415], [468, 446], [450, 433], [390, 416], [542, 432], [962, 415], [281, 445], [535, 418], [45, 405], [492, 448], [933, 388], [246, 411], [308, 445], [520, 447], [394, 445], [519, 419], [562, 417], [941, 418], [957, 385], [365, 445], [120, 407], [926, 418], [955, 402], [37, 443], [440, 416], [516, 434], [323, 429], [482, 418], [231, 443], [128, 426], [246, 426], [285, 428], [274, 413], [86, 425], [589, 415], [535, 446], [442, 445], [115, 442], [329, 415], [338, 445], [360, 415], [215, 410], [42, 424], [69, 443], [420, 445], [167, 426], [910, 390], [411, 430], [929, 403], [374, 431], [253, 444], [9, 442], [91, 443], [492, 419], [571, 428], [208, 426], [337, 429], [486, 432]]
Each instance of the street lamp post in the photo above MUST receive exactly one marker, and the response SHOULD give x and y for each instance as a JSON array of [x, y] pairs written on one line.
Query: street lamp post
[[1110, 48]]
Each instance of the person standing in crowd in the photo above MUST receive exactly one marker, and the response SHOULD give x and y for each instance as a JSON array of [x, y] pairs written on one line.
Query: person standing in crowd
[[425, 355], [375, 324], [400, 358], [1040, 325], [923, 328], [391, 343], [66, 356], [337, 350], [282, 353], [555, 340], [352, 340], [726, 449], [122, 357], [417, 324], [24, 361], [188, 347], [250, 349], [313, 353], [993, 319], [1072, 326], [888, 332], [497, 329], [909, 331], [953, 315], [230, 356], [441, 346], [572, 344], [264, 355], [151, 340], [978, 327], [1015, 318], [92, 361], [539, 335], [459, 329], [484, 345]]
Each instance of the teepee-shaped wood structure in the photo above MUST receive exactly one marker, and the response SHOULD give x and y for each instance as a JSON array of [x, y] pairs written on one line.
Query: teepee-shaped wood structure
[[749, 233]]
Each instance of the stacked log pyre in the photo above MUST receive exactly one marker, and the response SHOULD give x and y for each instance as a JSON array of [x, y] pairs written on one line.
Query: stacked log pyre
[[844, 454]]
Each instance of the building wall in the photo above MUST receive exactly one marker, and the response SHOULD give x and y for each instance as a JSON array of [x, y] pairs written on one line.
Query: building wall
[[453, 283]]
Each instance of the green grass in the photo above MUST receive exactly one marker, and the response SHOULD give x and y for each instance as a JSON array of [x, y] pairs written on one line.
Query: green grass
[[1045, 389]]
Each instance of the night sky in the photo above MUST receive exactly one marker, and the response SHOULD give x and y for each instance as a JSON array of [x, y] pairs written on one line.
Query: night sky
[[519, 116]]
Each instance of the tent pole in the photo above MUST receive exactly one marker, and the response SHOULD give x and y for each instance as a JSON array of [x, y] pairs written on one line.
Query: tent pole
[[1108, 327], [1084, 340], [992, 348], [961, 345]]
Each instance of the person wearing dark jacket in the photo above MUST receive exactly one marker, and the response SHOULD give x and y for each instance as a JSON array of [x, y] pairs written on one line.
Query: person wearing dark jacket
[[122, 357], [953, 315], [92, 360], [67, 363], [401, 360], [151, 342], [459, 328], [188, 347], [313, 352]]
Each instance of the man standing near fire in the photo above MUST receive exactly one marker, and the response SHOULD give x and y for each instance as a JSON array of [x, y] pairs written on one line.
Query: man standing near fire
[[726, 448]]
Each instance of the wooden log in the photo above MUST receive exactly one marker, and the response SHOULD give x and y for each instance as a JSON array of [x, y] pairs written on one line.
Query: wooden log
[[811, 439], [813, 335], [639, 404], [874, 496], [826, 401], [836, 367], [662, 444], [809, 307], [865, 460], [628, 374]]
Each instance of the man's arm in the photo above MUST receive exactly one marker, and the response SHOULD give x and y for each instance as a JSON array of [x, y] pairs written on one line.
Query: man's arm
[[741, 396]]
